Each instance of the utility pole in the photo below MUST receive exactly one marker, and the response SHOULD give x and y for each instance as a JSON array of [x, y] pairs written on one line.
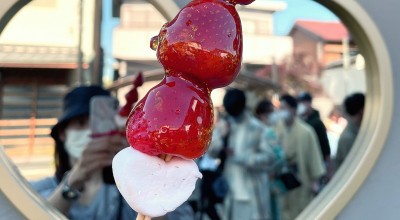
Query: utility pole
[[80, 53], [274, 71], [346, 53], [97, 70], [346, 62]]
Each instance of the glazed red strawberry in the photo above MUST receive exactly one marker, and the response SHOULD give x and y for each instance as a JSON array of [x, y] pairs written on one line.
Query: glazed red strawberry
[[175, 118], [203, 42]]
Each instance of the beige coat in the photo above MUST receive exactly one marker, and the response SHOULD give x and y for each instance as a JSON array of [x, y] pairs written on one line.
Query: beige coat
[[300, 144]]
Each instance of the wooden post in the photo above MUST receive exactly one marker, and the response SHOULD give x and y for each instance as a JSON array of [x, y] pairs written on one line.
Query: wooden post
[[32, 127]]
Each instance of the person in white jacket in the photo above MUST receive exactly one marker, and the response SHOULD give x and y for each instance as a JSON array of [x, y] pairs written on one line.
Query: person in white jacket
[[247, 162]]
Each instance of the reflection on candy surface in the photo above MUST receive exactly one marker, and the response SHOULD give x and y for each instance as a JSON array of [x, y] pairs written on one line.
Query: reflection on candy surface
[[150, 185]]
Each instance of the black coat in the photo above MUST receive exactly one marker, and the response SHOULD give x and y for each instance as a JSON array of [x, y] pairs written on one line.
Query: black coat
[[315, 121]]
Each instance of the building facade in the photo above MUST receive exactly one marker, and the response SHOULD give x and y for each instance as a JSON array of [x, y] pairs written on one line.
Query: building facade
[[40, 60]]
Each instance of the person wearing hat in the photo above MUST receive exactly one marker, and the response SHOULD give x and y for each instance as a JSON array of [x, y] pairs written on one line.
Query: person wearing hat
[[77, 188]]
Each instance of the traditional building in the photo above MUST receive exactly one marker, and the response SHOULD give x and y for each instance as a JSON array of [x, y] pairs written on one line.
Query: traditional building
[[321, 42], [39, 61]]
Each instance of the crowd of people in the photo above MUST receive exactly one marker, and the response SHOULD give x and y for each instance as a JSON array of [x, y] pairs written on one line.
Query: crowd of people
[[266, 163], [277, 158]]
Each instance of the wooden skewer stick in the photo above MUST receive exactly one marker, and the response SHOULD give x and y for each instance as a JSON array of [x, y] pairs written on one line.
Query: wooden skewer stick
[[167, 158], [140, 217]]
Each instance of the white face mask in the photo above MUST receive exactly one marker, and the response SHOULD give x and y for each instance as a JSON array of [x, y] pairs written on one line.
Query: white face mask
[[301, 109], [76, 141], [284, 114], [273, 118], [276, 116]]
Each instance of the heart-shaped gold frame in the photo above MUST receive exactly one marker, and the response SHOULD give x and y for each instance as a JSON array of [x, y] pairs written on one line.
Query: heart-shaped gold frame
[[367, 148], [377, 116]]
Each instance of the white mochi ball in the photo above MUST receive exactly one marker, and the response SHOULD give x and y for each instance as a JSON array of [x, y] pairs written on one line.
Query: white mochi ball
[[152, 186]]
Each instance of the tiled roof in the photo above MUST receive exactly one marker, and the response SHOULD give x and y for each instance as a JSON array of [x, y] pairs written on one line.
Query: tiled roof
[[327, 31]]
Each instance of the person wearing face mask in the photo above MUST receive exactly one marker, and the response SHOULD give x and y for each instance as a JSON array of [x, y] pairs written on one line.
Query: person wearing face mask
[[265, 113], [303, 156], [77, 188], [311, 116], [248, 159]]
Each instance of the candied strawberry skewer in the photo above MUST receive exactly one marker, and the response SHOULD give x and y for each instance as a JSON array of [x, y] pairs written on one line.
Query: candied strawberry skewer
[[200, 49]]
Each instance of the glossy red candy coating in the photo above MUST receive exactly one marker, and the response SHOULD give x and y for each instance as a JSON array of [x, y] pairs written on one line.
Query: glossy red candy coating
[[131, 97], [175, 117], [203, 42], [139, 80]]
